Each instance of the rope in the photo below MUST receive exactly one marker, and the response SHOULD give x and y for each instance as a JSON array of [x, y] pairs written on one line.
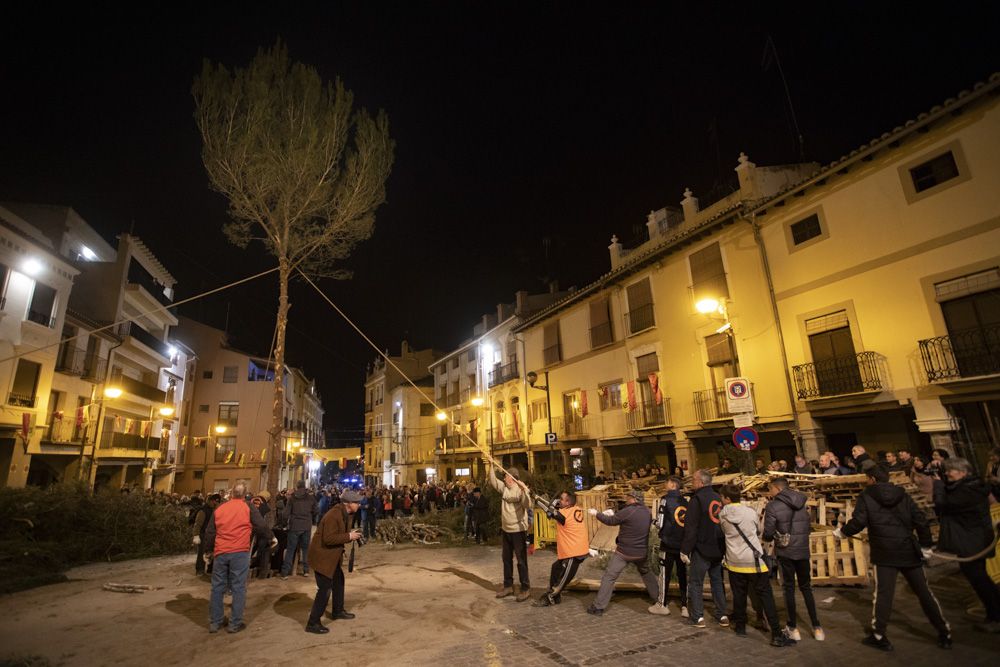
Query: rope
[[398, 369], [968, 559], [148, 312]]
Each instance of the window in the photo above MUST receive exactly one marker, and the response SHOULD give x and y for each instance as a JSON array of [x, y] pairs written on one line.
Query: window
[[610, 394], [225, 449], [230, 373], [934, 172], [463, 472], [426, 409], [600, 324], [640, 306], [551, 352], [539, 410], [199, 474], [472, 355], [378, 424], [646, 364], [708, 274], [4, 275], [454, 362], [229, 413], [43, 302], [806, 229], [472, 383], [203, 408], [22, 392], [720, 349], [206, 375]]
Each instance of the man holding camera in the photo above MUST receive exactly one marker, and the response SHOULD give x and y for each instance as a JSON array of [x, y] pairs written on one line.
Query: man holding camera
[[326, 555]]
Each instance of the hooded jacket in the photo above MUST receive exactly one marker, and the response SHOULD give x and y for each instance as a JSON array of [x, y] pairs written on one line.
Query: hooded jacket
[[863, 462], [740, 556], [701, 525], [964, 510], [787, 513], [890, 516], [301, 510], [514, 505], [670, 519], [633, 523]]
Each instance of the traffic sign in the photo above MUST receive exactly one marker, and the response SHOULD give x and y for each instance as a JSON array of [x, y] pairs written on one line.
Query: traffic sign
[[738, 396], [746, 439], [551, 439], [743, 419]]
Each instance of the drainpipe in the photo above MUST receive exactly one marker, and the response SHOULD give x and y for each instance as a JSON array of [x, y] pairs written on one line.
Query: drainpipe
[[777, 323], [99, 429], [526, 408]]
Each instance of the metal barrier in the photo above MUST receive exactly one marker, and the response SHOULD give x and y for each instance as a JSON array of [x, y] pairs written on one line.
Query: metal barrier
[[545, 529]]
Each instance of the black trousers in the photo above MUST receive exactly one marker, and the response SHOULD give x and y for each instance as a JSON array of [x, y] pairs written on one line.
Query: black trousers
[[479, 528], [515, 545], [199, 560], [984, 587], [668, 561], [370, 524], [801, 570], [325, 586], [562, 572], [885, 591], [760, 583]]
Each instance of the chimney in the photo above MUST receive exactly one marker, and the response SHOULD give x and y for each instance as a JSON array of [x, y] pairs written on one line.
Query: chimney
[[690, 205], [616, 252], [404, 349], [553, 286], [653, 225], [746, 171], [521, 301]]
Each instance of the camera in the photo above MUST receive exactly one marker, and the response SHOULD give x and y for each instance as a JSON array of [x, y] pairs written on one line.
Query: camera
[[362, 541]]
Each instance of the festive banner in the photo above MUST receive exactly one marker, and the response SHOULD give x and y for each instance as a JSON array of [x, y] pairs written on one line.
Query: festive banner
[[654, 386], [516, 412], [243, 460], [583, 403], [630, 388], [25, 424], [118, 424], [147, 429], [499, 426], [129, 423], [229, 457], [263, 455], [623, 391], [79, 416]]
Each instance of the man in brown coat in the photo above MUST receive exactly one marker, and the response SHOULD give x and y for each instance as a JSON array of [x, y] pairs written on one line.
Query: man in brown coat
[[326, 553]]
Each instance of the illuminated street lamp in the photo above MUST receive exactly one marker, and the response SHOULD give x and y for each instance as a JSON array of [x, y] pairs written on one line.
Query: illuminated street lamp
[[112, 392], [441, 415], [147, 467], [478, 401], [706, 306]]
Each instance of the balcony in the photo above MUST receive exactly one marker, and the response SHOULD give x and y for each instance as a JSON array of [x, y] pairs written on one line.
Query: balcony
[[711, 404], [142, 388], [71, 360], [505, 438], [20, 400], [838, 376], [368, 407], [640, 319], [139, 277], [453, 443], [63, 430], [39, 317], [454, 399], [648, 414], [133, 441], [505, 373], [601, 335], [574, 427], [961, 355], [149, 340], [552, 354]]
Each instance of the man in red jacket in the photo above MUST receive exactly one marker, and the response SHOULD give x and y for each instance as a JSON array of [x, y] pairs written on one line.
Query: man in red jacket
[[228, 537]]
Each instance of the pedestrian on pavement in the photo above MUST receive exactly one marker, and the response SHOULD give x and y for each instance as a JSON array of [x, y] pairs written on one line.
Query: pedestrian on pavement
[[228, 538], [963, 506], [745, 562], [631, 546], [891, 517], [515, 505], [572, 546], [670, 521], [201, 521], [301, 511], [702, 549], [326, 553], [479, 511], [787, 523]]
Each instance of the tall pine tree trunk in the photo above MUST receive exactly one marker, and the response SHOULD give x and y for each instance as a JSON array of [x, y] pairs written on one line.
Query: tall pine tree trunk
[[275, 456]]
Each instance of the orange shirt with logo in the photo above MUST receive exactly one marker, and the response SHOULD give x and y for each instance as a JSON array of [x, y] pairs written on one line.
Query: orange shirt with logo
[[571, 537]]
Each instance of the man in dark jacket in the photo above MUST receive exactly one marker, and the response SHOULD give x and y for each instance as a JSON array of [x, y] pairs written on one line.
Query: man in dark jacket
[[962, 503], [891, 517], [327, 555], [787, 522], [301, 511], [670, 520], [201, 521], [702, 549], [480, 511], [862, 461], [631, 546]]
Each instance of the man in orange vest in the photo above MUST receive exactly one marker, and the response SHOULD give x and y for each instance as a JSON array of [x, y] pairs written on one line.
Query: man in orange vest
[[572, 546], [228, 538]]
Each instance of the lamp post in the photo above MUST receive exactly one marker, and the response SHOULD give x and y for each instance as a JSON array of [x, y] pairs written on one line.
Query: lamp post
[[219, 429], [532, 379], [147, 468]]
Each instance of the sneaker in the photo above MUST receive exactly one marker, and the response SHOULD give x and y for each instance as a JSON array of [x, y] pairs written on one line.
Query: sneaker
[[304, 574], [318, 629], [793, 634], [237, 627], [659, 610], [724, 621], [523, 595], [699, 622], [780, 641], [505, 592], [594, 611], [819, 635], [684, 612], [944, 641], [882, 643], [213, 628]]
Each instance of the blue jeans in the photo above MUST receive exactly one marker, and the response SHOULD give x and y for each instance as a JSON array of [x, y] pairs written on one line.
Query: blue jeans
[[229, 572], [296, 538], [696, 582]]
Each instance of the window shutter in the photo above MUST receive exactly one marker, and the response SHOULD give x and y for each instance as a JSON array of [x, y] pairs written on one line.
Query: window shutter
[[551, 343], [645, 365], [600, 323], [720, 349], [639, 295], [966, 285], [837, 320], [708, 274]]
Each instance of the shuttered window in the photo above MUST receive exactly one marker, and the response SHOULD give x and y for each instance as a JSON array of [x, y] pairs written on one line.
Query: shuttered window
[[551, 352], [966, 285], [837, 320], [640, 306], [600, 324], [646, 364], [720, 349], [708, 274]]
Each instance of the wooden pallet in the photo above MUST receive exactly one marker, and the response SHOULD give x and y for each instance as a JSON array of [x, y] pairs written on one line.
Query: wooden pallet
[[837, 562]]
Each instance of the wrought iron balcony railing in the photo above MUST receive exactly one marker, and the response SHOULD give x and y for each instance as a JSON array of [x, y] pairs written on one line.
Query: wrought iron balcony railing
[[601, 335], [838, 376], [648, 414], [711, 404], [640, 319], [964, 354], [505, 373]]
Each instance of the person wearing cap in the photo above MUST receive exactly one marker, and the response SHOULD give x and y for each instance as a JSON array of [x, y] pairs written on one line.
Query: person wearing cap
[[515, 507], [480, 508], [632, 546], [326, 554]]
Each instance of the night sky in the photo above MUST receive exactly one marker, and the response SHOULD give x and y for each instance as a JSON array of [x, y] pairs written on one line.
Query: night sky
[[527, 133]]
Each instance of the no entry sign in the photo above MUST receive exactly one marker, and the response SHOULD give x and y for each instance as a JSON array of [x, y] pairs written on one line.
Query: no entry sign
[[746, 439]]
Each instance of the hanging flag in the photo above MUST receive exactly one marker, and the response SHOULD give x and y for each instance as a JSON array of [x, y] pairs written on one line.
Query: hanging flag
[[118, 424], [243, 460], [263, 455], [516, 412], [129, 423], [623, 391], [630, 389], [91, 414], [229, 457], [147, 429], [654, 387], [25, 424], [499, 426], [583, 403], [79, 416]]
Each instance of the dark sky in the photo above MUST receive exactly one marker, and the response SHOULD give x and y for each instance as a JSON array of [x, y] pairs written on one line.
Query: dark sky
[[519, 127]]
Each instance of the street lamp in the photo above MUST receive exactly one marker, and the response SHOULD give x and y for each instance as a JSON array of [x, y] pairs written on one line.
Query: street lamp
[[477, 401], [532, 378], [219, 430], [112, 392]]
